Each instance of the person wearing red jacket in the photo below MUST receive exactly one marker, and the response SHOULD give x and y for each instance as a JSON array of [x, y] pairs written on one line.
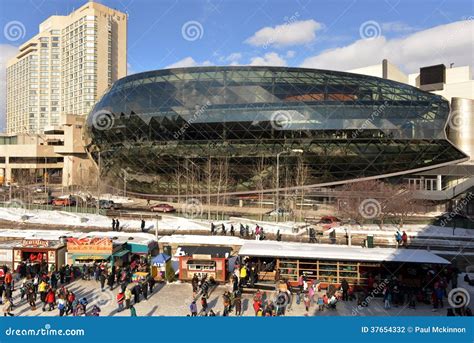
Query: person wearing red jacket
[[50, 299], [120, 300]]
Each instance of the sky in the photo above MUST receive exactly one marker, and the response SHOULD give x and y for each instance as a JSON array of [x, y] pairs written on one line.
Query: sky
[[338, 34]]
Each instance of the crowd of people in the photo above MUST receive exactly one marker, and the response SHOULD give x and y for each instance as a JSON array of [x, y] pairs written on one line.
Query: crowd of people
[[244, 231], [50, 289]]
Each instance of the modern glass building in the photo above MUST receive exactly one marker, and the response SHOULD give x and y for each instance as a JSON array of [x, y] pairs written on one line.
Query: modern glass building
[[220, 129]]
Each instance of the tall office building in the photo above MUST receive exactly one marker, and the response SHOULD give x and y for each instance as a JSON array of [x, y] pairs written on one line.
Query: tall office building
[[66, 67]]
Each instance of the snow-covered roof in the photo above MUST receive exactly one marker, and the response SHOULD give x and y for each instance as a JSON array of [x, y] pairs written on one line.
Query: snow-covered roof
[[205, 240], [123, 237], [337, 252], [47, 235]]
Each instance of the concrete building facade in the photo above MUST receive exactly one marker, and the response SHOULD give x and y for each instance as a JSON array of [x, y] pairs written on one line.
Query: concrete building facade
[[55, 156], [66, 67]]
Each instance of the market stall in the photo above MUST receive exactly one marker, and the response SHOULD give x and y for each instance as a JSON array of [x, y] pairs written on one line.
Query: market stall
[[35, 252], [200, 261], [328, 264], [96, 249], [159, 265]]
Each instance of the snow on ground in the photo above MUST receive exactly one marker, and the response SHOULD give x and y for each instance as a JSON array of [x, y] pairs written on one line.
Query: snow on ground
[[174, 224]]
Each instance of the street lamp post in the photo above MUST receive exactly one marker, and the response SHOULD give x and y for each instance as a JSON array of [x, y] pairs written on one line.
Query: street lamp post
[[299, 151], [125, 175], [98, 183]]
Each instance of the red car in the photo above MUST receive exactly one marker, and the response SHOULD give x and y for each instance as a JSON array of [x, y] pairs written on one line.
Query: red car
[[64, 202], [162, 208]]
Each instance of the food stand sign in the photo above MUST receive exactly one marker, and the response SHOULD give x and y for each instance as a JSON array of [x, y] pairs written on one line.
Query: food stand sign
[[35, 243], [89, 245]]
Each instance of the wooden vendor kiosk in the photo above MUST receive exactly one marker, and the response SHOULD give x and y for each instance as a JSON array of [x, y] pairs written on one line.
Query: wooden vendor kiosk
[[36, 251], [327, 264], [200, 261]]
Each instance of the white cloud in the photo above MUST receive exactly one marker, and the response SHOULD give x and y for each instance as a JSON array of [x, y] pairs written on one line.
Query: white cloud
[[234, 57], [294, 33], [6, 52], [397, 27], [188, 62], [269, 59], [290, 54], [441, 44]]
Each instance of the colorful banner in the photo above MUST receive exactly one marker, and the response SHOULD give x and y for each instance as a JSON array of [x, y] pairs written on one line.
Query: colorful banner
[[89, 245]]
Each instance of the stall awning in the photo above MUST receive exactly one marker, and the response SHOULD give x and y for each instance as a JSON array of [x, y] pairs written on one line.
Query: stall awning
[[121, 253], [91, 257], [337, 252]]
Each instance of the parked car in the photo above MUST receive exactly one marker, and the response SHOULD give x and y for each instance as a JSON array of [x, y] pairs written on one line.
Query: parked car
[[43, 201], [165, 208], [109, 205], [64, 202], [280, 212]]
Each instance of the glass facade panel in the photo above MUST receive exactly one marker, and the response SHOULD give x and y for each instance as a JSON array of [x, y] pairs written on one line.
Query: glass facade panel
[[158, 123]]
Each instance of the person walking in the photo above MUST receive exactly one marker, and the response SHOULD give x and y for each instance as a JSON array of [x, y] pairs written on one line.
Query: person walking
[[102, 279], [61, 305], [238, 305], [110, 281], [7, 308], [144, 288], [117, 225], [50, 299], [133, 312], [405, 239], [120, 300], [307, 302], [204, 305], [142, 225], [193, 309], [31, 298], [212, 229], [113, 224], [278, 236], [398, 238], [128, 298], [345, 290], [232, 232]]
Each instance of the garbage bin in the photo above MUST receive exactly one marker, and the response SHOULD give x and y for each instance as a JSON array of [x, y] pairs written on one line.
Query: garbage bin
[[370, 241]]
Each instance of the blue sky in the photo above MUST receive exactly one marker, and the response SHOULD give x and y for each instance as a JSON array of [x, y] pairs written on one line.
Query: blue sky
[[155, 27], [340, 34]]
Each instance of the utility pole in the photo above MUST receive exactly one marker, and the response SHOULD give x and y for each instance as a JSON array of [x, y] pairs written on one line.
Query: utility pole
[[125, 175]]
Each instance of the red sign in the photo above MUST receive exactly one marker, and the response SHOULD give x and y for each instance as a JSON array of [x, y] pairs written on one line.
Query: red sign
[[90, 245]]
